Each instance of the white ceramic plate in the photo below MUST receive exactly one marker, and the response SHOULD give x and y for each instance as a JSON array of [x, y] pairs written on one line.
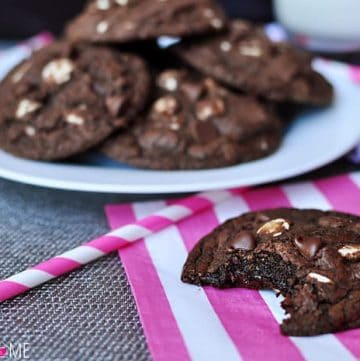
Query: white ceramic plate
[[313, 140]]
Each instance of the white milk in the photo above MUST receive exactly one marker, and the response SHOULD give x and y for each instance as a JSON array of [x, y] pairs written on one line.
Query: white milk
[[328, 25]]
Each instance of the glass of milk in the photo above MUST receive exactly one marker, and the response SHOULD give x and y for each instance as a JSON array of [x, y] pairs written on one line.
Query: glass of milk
[[322, 25]]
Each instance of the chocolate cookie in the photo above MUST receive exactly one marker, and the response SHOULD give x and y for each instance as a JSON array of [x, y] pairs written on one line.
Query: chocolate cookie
[[195, 123], [244, 58], [65, 99], [129, 20], [312, 257]]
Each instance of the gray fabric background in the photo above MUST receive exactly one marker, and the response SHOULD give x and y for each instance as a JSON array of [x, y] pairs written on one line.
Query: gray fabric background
[[87, 315]]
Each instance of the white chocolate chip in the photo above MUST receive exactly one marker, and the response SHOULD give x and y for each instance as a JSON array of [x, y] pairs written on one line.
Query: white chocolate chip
[[25, 107], [30, 131], [58, 71], [103, 4], [275, 227], [320, 278], [74, 119], [20, 73], [209, 108], [264, 145], [250, 50], [102, 27], [166, 105], [216, 23], [168, 80], [225, 46], [174, 126], [287, 316], [17, 76], [171, 84], [122, 2], [209, 13], [351, 251]]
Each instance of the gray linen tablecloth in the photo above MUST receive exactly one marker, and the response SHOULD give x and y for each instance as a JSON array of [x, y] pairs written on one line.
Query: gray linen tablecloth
[[88, 315]]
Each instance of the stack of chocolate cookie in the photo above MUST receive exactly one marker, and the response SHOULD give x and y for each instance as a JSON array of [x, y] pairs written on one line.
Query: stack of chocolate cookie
[[217, 98]]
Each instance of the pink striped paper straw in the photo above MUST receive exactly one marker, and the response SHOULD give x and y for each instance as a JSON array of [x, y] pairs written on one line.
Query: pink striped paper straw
[[119, 238]]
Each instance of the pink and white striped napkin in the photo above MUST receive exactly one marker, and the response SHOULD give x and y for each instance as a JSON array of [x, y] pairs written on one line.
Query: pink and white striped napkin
[[184, 322]]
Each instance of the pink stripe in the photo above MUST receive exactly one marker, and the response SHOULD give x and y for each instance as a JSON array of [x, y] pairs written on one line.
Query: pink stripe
[[355, 73], [3, 351], [259, 199], [344, 195], [242, 312], [108, 244], [45, 37], [155, 223], [10, 289], [37, 41], [194, 203], [57, 266], [163, 336]]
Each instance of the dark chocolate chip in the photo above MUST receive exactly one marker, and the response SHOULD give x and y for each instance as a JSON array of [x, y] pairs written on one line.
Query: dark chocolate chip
[[261, 217], [308, 246], [244, 240], [115, 104]]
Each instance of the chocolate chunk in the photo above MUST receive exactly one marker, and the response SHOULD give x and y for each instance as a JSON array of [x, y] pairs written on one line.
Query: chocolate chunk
[[243, 240], [308, 246]]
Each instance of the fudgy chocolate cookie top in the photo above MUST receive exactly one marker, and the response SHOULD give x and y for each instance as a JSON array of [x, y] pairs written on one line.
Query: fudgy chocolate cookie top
[[129, 20], [244, 58], [65, 99], [311, 256], [195, 123]]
